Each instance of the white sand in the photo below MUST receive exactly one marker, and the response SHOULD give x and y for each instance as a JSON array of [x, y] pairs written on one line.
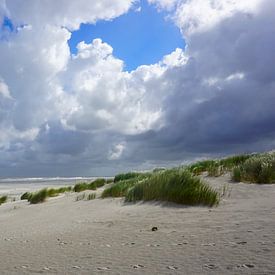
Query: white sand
[[64, 236]]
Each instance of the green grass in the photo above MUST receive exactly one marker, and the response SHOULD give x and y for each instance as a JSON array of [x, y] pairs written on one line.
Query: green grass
[[52, 192], [216, 168], [41, 195], [38, 197], [120, 188], [3, 199], [25, 196], [79, 187], [258, 169], [91, 196], [87, 197], [174, 185], [126, 176]]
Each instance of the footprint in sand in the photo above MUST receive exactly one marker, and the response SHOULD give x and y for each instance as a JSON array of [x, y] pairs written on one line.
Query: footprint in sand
[[242, 243], [137, 266], [246, 266], [175, 244], [208, 244], [153, 245], [210, 266], [171, 267], [104, 268]]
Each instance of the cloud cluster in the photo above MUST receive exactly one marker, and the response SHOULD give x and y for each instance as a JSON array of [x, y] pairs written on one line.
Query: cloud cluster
[[63, 114]]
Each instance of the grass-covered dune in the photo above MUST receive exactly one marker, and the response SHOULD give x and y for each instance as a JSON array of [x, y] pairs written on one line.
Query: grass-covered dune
[[173, 185], [257, 169], [182, 185], [79, 187], [217, 167], [42, 195]]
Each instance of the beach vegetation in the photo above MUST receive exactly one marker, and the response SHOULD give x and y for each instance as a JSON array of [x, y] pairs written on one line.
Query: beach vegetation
[[38, 197], [82, 186], [3, 199], [257, 169], [126, 176], [25, 196], [174, 185]]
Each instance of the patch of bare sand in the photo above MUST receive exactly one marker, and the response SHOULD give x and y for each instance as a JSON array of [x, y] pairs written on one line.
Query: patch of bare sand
[[65, 236]]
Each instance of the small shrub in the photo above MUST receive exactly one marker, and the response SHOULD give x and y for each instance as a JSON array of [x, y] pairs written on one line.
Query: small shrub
[[38, 197], [3, 199]]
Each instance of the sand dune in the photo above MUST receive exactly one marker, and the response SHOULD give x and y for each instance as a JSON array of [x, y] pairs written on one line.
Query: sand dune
[[65, 236]]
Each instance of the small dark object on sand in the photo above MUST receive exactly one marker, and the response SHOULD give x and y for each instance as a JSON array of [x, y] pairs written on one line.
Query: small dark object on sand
[[154, 228]]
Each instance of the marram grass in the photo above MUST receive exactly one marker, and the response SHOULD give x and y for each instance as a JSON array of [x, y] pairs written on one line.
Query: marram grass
[[38, 197], [218, 167], [126, 176], [119, 189], [257, 169], [175, 185], [79, 187], [3, 199]]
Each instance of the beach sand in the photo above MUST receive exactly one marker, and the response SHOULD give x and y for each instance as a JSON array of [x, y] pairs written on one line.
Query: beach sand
[[65, 236]]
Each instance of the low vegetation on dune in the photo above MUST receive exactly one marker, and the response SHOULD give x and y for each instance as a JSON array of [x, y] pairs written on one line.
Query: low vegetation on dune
[[257, 169], [216, 168], [86, 197], [42, 195], [37, 197], [126, 176], [123, 183], [3, 199], [25, 196], [79, 187], [173, 185], [180, 185]]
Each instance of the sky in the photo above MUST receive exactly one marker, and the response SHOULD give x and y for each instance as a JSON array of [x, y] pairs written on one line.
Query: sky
[[97, 87]]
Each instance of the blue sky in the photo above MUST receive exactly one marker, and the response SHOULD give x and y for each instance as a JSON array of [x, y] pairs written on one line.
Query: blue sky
[[138, 37]]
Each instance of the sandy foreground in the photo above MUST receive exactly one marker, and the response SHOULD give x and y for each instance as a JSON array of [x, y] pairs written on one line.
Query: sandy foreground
[[65, 236]]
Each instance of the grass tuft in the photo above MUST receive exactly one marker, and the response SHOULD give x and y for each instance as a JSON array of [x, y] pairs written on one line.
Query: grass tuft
[[120, 188], [79, 187], [126, 176], [25, 196], [216, 168], [84, 196], [257, 169], [174, 185], [38, 197], [3, 199]]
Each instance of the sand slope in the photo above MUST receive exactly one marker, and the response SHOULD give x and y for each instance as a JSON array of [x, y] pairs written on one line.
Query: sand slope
[[64, 236]]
